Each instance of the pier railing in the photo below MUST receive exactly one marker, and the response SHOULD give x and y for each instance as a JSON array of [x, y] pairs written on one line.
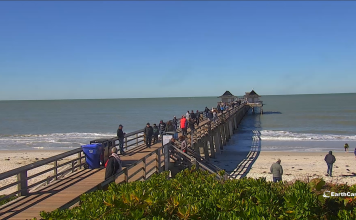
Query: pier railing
[[57, 166], [53, 168]]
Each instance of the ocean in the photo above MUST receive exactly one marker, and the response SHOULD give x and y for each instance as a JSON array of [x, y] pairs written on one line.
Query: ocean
[[289, 122]]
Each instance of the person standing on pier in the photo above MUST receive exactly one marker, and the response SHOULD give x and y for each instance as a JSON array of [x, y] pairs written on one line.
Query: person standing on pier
[[148, 132], [183, 125], [169, 127], [187, 115], [121, 137], [161, 128], [210, 115], [197, 117], [155, 134], [277, 171], [175, 123], [183, 145], [206, 111], [113, 164], [330, 160], [192, 116]]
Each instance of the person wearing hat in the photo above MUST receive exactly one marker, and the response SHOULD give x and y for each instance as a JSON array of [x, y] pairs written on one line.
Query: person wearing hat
[[277, 171], [148, 132], [121, 137]]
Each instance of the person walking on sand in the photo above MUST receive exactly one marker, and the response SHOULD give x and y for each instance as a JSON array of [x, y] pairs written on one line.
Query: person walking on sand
[[148, 132], [346, 146], [120, 137], [330, 160], [277, 171]]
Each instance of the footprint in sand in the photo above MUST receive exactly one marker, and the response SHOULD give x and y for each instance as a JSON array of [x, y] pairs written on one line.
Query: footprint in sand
[[347, 166], [300, 169], [292, 167]]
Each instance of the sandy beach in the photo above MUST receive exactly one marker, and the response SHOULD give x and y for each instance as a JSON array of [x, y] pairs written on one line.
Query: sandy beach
[[13, 159], [296, 165]]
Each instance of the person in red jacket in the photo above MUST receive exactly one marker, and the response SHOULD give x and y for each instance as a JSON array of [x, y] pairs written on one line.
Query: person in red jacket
[[183, 125]]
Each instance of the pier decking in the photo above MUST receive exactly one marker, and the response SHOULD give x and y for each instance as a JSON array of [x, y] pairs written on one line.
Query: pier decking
[[139, 164]]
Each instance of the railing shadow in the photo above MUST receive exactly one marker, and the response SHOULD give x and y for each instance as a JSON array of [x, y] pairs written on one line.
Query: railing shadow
[[243, 149]]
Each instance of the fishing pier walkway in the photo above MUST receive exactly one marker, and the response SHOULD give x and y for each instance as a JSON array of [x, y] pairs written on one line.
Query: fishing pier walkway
[[65, 179]]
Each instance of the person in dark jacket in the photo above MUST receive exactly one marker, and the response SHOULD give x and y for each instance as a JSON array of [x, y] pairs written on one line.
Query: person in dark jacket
[[161, 128], [121, 137], [155, 134], [210, 115], [113, 164], [192, 115], [169, 127], [330, 160], [175, 123], [277, 171], [148, 132], [197, 117], [206, 111]]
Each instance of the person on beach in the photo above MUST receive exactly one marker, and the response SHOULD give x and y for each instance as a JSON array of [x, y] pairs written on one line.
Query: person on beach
[[346, 146], [183, 145], [121, 137], [330, 160], [155, 134], [355, 152], [113, 165], [183, 125], [148, 132], [277, 171], [175, 123]]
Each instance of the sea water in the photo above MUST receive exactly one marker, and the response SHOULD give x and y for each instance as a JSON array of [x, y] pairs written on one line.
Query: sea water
[[289, 122]]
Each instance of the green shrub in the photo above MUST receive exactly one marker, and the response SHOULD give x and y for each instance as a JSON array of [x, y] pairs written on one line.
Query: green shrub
[[198, 195]]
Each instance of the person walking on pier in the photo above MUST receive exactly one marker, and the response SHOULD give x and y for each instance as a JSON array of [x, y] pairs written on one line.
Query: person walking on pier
[[277, 171], [183, 125], [330, 160], [155, 134], [113, 164], [210, 115], [120, 137], [192, 115], [169, 127], [148, 132], [161, 128]]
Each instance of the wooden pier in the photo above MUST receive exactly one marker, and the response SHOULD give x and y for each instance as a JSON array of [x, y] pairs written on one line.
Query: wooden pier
[[67, 181]]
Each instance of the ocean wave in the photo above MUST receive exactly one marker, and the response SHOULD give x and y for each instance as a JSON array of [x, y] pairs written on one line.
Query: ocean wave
[[286, 135], [49, 141]]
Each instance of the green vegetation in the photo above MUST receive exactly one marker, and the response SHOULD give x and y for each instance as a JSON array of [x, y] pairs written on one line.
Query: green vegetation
[[2, 202], [197, 195]]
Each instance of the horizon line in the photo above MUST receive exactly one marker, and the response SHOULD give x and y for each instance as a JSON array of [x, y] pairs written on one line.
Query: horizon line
[[168, 97]]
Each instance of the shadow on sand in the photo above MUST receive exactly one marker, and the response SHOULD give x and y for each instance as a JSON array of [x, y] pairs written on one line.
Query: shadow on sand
[[243, 149]]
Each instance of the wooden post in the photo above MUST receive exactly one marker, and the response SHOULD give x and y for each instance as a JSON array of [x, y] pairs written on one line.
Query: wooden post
[[158, 161], [55, 170], [125, 143], [136, 140], [166, 157], [205, 146], [22, 183], [79, 160], [211, 143], [72, 166], [126, 175], [216, 142], [144, 168]]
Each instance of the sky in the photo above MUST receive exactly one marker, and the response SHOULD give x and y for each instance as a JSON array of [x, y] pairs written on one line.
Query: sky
[[138, 49]]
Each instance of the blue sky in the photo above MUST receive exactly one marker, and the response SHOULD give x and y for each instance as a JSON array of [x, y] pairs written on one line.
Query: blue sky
[[118, 49]]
